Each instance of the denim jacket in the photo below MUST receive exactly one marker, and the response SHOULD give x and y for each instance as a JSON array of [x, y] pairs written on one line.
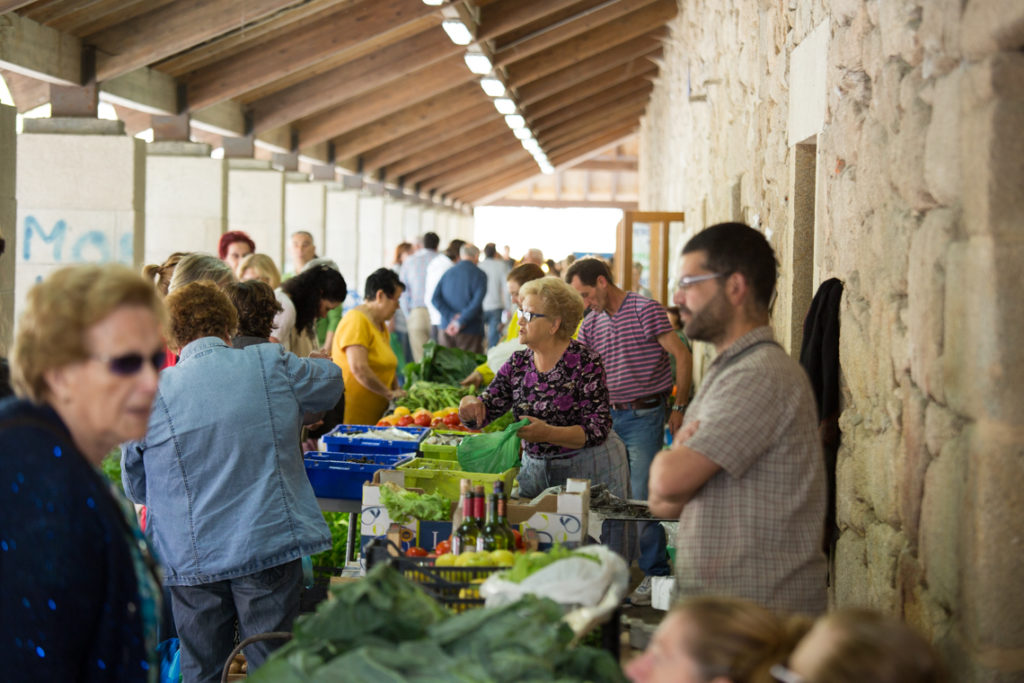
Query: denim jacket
[[220, 469]]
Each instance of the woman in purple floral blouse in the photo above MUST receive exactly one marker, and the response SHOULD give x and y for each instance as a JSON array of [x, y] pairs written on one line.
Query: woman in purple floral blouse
[[559, 385]]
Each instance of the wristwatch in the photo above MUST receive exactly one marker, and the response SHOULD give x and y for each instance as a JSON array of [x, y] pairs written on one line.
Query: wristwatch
[[679, 408]]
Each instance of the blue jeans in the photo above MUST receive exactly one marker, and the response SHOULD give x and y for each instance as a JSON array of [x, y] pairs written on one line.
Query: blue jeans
[[205, 617], [492, 321], [643, 431]]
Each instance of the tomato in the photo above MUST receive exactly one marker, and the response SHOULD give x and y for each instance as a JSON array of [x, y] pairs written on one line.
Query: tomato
[[438, 423], [416, 551], [422, 420], [404, 421], [383, 423], [519, 539], [443, 547], [452, 419]]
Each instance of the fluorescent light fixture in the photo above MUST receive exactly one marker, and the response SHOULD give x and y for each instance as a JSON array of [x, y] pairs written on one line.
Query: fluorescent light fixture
[[531, 145], [433, 3], [492, 86], [505, 106], [523, 133], [457, 31], [515, 121], [478, 63], [546, 168]]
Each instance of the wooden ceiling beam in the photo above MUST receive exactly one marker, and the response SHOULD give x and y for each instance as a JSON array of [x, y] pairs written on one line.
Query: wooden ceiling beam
[[174, 28], [591, 43], [352, 79], [570, 152], [586, 20], [592, 124], [400, 94], [640, 68], [448, 149], [434, 110], [420, 138], [589, 68], [501, 182], [465, 158], [28, 93], [491, 164], [614, 165], [508, 15], [85, 18], [366, 22], [11, 5], [38, 51], [603, 102]]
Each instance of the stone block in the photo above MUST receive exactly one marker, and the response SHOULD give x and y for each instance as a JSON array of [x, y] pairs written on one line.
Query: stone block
[[942, 167], [76, 125], [305, 206], [852, 586], [898, 22], [941, 544], [80, 172], [882, 457], [885, 95], [851, 481], [256, 204], [186, 203], [992, 148], [992, 26], [939, 35], [883, 545], [907, 170], [913, 461], [178, 148], [983, 357], [926, 291], [993, 560], [941, 426]]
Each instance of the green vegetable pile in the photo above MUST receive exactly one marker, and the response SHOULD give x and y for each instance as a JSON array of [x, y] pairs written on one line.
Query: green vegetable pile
[[528, 563], [385, 629], [402, 504], [432, 395], [500, 424], [112, 468], [335, 557], [442, 364]]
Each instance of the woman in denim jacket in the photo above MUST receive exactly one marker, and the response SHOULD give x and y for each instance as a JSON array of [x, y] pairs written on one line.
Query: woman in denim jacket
[[230, 509]]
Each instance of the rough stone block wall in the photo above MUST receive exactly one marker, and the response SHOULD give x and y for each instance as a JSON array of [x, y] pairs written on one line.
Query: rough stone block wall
[[920, 205]]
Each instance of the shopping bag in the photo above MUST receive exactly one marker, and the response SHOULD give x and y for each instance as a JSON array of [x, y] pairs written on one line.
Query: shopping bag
[[491, 453]]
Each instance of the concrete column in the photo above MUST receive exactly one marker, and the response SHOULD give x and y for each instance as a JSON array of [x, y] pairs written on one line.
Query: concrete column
[[371, 237], [81, 197], [256, 204], [394, 210], [186, 199], [428, 221], [341, 234], [305, 208], [412, 222], [8, 216]]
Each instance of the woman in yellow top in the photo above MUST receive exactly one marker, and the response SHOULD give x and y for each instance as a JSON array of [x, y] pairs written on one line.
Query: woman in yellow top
[[362, 347]]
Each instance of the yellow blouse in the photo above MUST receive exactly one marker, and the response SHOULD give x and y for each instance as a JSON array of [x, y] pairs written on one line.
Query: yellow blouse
[[362, 406]]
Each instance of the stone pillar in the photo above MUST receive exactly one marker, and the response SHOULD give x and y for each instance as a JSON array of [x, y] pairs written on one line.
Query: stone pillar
[[186, 199], [394, 210], [8, 216], [81, 197], [412, 221], [256, 204], [341, 234], [305, 208], [371, 237]]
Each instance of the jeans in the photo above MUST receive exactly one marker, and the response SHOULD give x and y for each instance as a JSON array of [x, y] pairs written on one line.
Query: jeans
[[205, 617], [492, 321], [643, 432]]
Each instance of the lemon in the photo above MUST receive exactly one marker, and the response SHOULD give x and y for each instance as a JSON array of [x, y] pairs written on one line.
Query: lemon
[[401, 411]]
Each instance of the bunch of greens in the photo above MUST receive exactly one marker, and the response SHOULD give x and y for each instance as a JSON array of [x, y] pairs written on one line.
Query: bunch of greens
[[385, 629], [402, 504], [432, 395], [337, 522], [442, 364], [528, 563], [500, 424], [112, 469]]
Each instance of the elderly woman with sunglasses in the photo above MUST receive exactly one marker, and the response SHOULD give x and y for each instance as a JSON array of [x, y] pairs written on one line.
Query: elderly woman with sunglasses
[[80, 596], [231, 511], [559, 385]]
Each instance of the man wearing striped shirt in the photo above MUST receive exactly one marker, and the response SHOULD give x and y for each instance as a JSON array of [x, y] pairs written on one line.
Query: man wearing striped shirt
[[634, 338]]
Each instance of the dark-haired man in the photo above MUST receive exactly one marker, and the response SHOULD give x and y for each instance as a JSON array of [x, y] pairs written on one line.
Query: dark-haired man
[[414, 274], [745, 474]]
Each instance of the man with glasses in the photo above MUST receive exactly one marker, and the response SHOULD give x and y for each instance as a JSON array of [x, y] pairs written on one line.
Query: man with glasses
[[745, 474], [634, 338]]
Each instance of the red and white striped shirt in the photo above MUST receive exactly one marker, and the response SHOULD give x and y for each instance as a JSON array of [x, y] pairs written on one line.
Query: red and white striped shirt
[[636, 364]]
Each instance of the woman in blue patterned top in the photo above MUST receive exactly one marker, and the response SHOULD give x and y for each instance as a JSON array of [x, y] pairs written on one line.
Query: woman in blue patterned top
[[80, 598], [559, 385]]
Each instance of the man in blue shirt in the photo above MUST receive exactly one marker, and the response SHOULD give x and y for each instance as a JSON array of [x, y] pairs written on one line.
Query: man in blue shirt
[[460, 296]]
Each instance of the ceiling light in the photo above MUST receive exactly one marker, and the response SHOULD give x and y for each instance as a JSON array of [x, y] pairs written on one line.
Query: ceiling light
[[457, 31], [478, 63], [505, 106], [433, 3], [523, 133], [515, 121], [531, 145], [492, 86], [546, 168]]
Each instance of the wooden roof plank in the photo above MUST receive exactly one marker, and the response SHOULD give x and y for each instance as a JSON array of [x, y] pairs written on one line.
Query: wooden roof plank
[[592, 124], [637, 69], [569, 152], [509, 15], [604, 102], [445, 183], [11, 5], [174, 28], [32, 49], [352, 79], [514, 174], [84, 18], [365, 21], [591, 43], [447, 149], [465, 157]]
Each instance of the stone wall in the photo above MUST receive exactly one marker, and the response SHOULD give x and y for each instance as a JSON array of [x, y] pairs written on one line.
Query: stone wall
[[919, 209]]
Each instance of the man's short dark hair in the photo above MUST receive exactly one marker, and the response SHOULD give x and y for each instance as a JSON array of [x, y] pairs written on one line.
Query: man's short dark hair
[[454, 247], [587, 270], [739, 248], [490, 250], [382, 280], [431, 240]]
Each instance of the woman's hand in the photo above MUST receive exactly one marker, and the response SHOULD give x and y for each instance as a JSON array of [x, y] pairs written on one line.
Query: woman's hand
[[472, 412], [474, 379], [538, 431], [395, 394]]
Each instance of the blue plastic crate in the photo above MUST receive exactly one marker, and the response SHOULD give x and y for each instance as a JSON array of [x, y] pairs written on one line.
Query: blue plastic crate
[[342, 475], [340, 439]]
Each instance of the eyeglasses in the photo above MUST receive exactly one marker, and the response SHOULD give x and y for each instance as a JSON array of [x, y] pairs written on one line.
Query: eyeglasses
[[784, 674], [131, 363], [690, 280], [527, 316]]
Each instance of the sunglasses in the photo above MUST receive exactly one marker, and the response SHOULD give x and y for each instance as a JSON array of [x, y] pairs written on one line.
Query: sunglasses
[[131, 363], [527, 316]]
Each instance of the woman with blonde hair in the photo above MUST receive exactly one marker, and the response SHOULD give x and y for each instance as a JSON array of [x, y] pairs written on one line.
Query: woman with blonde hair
[[160, 275], [259, 267], [717, 640], [195, 267]]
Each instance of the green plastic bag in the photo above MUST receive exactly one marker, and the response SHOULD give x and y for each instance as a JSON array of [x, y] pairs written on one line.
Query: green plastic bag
[[491, 453]]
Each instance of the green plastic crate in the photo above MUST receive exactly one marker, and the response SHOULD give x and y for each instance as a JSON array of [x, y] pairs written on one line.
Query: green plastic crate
[[438, 451], [443, 476]]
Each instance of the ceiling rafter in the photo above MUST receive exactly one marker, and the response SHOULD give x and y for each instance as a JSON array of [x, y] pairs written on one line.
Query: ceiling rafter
[[637, 69]]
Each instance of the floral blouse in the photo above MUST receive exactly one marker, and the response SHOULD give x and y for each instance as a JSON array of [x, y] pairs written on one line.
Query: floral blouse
[[574, 392]]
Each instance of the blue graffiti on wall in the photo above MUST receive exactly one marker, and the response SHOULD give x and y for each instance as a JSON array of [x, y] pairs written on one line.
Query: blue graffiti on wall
[[91, 247]]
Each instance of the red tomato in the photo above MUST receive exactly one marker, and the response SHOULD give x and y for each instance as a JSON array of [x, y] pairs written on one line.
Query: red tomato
[[404, 421], [438, 423], [443, 547], [519, 539], [383, 423], [416, 551], [422, 420], [451, 420]]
